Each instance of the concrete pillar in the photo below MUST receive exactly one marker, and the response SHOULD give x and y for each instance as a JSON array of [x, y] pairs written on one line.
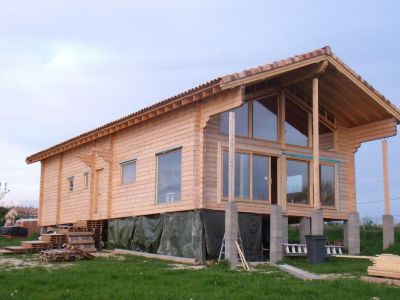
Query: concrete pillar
[[305, 229], [317, 222], [231, 233], [285, 229], [352, 234], [388, 231], [276, 236]]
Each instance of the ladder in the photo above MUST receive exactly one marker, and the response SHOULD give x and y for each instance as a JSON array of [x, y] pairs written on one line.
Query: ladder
[[239, 247]]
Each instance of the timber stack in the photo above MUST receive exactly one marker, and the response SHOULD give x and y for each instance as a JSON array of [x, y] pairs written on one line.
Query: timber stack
[[386, 265], [96, 226]]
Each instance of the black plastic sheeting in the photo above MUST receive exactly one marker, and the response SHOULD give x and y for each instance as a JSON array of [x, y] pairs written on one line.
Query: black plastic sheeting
[[14, 231], [250, 226], [191, 234]]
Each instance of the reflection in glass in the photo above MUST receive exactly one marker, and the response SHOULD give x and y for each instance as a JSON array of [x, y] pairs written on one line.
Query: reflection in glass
[[297, 181], [296, 124], [242, 175], [265, 120], [241, 121], [128, 172], [327, 185], [260, 177], [169, 177]]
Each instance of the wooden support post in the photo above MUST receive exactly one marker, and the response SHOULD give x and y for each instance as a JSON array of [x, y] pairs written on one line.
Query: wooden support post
[[59, 187], [386, 177], [281, 106], [315, 143], [110, 177]]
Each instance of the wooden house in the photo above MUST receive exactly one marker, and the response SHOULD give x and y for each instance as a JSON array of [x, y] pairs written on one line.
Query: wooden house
[[299, 123]]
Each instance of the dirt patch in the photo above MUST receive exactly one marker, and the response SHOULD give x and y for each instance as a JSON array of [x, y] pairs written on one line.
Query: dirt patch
[[16, 263], [185, 267]]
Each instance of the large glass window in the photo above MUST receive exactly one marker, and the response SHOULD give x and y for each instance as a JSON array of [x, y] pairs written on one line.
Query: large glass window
[[128, 170], [241, 121], [296, 124], [261, 178], [169, 176], [265, 118], [297, 181], [242, 175], [327, 185]]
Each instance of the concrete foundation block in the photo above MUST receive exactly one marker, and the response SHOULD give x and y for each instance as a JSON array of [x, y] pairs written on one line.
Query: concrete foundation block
[[285, 229], [388, 231], [317, 222], [352, 234], [231, 234], [305, 229], [276, 235]]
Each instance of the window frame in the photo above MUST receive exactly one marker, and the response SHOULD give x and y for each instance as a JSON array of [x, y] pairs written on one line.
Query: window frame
[[122, 164], [336, 181], [310, 183], [71, 184], [85, 180], [163, 153], [251, 153]]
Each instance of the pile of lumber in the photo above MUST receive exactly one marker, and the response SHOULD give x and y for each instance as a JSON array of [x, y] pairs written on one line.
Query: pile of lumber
[[64, 229], [58, 255], [35, 246], [386, 265], [82, 240], [17, 249], [96, 226], [55, 240]]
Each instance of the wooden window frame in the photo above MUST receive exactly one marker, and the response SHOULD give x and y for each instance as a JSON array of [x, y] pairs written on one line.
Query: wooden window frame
[[335, 168], [85, 180], [251, 153], [163, 153], [310, 183], [121, 175], [70, 180]]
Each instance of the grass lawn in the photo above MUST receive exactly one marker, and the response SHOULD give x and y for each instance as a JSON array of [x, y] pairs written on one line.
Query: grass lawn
[[332, 265], [16, 241], [139, 278]]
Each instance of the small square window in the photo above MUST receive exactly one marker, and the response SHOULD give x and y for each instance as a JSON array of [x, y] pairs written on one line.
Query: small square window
[[70, 183], [128, 172], [85, 180]]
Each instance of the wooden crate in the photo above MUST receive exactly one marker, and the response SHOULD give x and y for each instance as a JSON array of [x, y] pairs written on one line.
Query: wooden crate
[[386, 265]]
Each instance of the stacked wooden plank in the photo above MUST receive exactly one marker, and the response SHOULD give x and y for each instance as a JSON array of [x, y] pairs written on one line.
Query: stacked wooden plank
[[17, 249], [55, 240], [58, 255], [64, 229], [386, 265], [35, 246], [96, 226], [82, 240]]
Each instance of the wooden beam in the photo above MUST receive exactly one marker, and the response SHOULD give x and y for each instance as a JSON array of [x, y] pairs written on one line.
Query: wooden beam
[[110, 177], [282, 104], [386, 176], [315, 144], [304, 73], [231, 177], [41, 193]]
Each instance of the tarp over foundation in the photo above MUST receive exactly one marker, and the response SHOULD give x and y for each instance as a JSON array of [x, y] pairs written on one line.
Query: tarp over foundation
[[191, 234]]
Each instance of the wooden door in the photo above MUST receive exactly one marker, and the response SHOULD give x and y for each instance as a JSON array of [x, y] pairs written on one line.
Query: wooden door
[[98, 193]]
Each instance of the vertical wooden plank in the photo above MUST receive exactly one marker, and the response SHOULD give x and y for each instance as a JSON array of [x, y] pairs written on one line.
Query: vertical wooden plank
[[92, 184], [42, 170], [386, 176], [231, 177], [281, 123], [110, 177], [59, 186], [315, 143]]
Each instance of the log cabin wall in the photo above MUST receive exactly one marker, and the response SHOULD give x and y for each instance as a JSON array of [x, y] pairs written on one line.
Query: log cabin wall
[[58, 205]]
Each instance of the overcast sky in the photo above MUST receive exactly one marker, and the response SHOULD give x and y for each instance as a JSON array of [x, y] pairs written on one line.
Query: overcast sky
[[69, 66]]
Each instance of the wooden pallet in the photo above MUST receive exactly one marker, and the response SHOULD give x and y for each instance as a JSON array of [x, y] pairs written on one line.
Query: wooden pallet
[[17, 249], [55, 255], [36, 246], [55, 240], [82, 240], [386, 265], [96, 226]]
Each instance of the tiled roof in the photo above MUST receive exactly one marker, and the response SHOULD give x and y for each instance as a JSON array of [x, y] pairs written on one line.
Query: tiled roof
[[228, 79]]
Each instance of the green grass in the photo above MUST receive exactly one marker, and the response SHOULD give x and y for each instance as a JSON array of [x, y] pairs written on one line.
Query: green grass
[[332, 265], [4, 242], [138, 278]]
